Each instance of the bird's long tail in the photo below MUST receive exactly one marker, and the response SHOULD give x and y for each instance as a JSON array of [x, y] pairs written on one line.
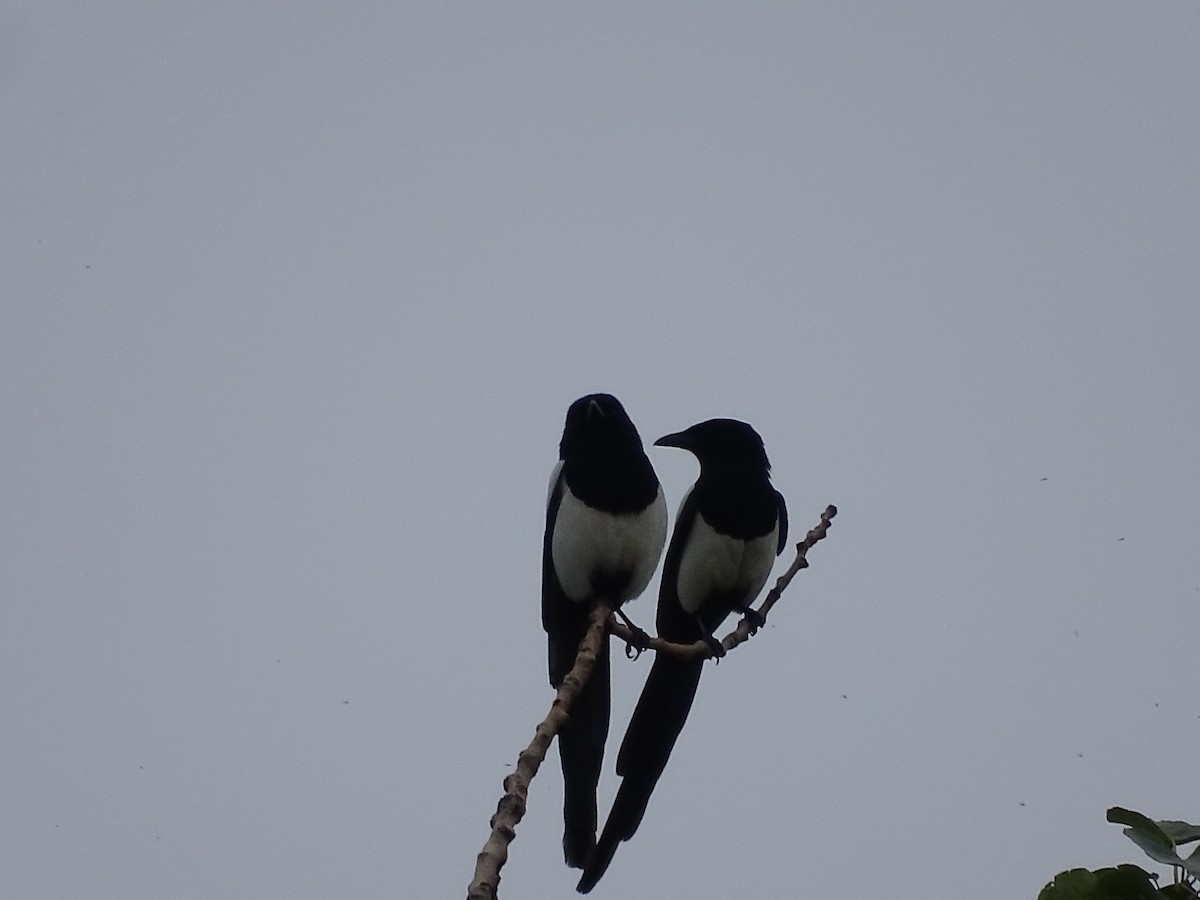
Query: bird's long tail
[[657, 721], [581, 750]]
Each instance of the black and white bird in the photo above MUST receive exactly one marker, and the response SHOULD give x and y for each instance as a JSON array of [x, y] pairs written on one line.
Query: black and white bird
[[731, 526], [606, 523]]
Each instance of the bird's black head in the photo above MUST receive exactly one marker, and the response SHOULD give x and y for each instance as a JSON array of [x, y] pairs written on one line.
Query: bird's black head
[[721, 444], [597, 423]]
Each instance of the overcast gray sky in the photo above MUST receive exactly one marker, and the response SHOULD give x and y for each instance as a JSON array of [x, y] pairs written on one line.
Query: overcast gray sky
[[295, 299]]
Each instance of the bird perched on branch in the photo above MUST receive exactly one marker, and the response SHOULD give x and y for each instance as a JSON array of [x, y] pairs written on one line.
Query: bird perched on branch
[[731, 526], [606, 523]]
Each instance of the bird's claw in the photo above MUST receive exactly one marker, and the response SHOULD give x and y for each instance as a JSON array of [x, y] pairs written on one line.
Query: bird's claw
[[637, 643], [715, 647], [756, 619]]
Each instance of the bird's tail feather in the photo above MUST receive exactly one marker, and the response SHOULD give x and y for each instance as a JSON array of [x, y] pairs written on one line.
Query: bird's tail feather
[[662, 709], [581, 751]]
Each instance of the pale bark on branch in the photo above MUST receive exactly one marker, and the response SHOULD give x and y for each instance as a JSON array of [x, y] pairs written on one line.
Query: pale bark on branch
[[511, 808]]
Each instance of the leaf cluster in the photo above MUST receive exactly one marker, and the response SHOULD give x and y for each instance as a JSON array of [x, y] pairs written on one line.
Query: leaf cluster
[[1160, 841]]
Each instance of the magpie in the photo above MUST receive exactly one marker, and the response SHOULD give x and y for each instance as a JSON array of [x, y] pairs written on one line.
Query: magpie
[[606, 524], [730, 527]]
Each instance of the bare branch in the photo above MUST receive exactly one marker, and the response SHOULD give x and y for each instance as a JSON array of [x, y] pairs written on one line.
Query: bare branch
[[745, 628], [511, 808]]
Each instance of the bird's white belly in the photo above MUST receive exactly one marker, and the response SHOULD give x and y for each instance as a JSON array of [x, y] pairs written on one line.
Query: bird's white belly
[[714, 564], [588, 543]]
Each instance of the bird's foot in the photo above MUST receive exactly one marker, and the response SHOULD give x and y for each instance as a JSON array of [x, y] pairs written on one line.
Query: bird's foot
[[756, 619], [715, 647], [637, 643]]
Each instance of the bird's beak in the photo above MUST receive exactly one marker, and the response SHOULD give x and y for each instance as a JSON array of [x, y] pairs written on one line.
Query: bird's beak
[[678, 439], [594, 407]]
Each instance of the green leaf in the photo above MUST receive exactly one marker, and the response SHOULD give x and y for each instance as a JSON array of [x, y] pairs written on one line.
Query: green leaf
[[1126, 882], [1180, 832], [1146, 833], [1192, 863], [1119, 883], [1075, 884]]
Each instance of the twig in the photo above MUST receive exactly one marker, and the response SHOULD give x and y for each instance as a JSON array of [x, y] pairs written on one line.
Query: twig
[[511, 808], [745, 628]]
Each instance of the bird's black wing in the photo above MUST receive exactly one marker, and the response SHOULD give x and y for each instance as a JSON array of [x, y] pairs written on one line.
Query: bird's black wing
[[783, 523]]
